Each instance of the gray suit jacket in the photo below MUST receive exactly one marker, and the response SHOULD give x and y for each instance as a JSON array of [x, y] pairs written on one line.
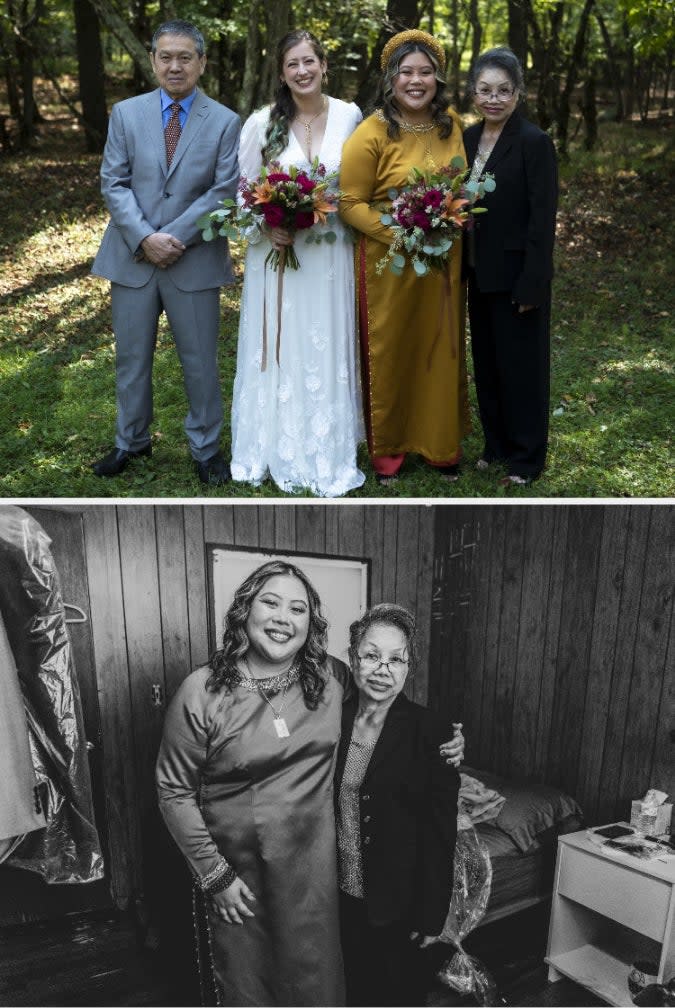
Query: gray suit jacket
[[143, 197]]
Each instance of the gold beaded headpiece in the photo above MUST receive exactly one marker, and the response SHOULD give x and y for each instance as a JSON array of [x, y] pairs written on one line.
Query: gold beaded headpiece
[[412, 35]]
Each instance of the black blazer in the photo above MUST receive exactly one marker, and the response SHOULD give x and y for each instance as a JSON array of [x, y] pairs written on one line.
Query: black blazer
[[408, 818], [513, 241]]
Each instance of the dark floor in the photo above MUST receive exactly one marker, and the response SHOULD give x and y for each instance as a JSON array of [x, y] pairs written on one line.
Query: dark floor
[[103, 959]]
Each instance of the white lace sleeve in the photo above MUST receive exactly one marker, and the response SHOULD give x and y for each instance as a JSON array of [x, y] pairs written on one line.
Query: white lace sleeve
[[250, 157]]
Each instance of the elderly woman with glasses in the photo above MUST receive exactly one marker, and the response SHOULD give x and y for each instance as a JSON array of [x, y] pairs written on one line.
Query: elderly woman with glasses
[[396, 811], [509, 260]]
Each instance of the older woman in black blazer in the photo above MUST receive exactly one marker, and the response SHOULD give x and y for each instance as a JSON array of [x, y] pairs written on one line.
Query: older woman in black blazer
[[396, 811], [509, 269]]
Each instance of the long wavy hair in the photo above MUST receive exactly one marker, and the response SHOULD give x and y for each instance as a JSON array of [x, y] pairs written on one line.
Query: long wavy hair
[[385, 614], [283, 108], [311, 656], [439, 103]]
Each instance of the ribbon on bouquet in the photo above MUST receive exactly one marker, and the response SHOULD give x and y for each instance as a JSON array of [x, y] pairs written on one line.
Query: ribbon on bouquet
[[445, 308], [280, 296]]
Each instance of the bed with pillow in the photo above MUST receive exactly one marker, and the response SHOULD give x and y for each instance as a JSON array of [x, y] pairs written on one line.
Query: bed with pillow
[[522, 841]]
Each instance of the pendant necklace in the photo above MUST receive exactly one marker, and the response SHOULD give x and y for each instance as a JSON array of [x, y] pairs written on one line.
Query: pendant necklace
[[307, 123], [288, 677], [279, 723], [422, 130]]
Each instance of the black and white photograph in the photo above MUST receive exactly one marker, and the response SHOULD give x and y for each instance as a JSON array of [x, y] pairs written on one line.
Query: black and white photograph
[[201, 810]]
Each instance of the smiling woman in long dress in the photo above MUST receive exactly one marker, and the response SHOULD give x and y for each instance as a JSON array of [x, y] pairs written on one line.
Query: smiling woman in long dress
[[298, 419]]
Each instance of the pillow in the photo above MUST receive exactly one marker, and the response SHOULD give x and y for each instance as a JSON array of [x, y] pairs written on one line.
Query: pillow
[[532, 814]]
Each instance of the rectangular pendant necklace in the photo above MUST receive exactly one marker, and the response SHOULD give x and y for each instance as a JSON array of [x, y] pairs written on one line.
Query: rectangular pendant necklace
[[281, 727]]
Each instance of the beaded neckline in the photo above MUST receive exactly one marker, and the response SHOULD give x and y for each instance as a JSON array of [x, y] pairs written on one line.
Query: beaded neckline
[[408, 127], [272, 684]]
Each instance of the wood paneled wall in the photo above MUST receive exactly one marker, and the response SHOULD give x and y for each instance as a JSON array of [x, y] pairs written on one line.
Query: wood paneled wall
[[147, 587], [552, 639]]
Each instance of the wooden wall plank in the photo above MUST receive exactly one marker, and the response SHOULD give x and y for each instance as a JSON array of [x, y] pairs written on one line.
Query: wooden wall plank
[[405, 590], [649, 669], [532, 619], [552, 645], [112, 673], [246, 530], [663, 763], [173, 596], [219, 524], [310, 529], [613, 545], [389, 555], [195, 563], [509, 630], [494, 563], [476, 547], [266, 524], [284, 527], [576, 630], [425, 562], [332, 529], [350, 531], [618, 711], [373, 533]]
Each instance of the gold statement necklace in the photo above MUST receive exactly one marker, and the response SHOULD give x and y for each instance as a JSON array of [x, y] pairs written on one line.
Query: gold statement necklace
[[425, 130], [307, 123]]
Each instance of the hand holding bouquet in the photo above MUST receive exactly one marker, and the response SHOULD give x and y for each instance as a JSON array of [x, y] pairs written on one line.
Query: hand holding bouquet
[[427, 215], [295, 199]]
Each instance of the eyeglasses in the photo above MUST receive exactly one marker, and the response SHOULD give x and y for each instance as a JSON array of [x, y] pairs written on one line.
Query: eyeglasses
[[503, 93], [373, 662]]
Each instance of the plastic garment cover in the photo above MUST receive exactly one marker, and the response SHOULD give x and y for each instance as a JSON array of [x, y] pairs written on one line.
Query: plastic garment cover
[[470, 894], [68, 850]]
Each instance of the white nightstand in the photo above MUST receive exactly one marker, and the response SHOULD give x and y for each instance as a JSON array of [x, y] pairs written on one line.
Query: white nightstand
[[607, 911]]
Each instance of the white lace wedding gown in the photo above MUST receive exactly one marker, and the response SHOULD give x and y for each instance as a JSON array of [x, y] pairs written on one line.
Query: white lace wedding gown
[[301, 419]]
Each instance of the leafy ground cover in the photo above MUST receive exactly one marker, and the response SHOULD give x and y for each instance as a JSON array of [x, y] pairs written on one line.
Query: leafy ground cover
[[612, 336]]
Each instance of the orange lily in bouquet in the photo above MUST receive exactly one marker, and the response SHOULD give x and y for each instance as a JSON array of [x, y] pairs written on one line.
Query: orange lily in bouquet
[[428, 214]]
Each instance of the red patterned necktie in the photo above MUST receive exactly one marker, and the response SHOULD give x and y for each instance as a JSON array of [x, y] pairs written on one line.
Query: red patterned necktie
[[172, 132]]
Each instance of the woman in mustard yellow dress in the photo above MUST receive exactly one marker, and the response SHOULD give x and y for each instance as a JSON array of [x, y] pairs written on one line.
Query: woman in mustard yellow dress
[[411, 328]]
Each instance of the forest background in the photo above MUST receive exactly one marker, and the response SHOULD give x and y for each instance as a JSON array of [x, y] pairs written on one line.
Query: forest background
[[599, 79]]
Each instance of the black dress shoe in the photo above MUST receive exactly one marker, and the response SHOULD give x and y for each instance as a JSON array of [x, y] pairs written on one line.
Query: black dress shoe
[[213, 471], [118, 459]]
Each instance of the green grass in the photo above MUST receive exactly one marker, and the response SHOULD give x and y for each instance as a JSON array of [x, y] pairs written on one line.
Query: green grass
[[612, 338]]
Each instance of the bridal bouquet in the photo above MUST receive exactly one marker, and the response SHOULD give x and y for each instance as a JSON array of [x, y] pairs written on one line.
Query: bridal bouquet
[[427, 215], [293, 198]]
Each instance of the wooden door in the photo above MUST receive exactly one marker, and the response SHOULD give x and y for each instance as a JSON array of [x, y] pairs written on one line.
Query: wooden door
[[24, 896]]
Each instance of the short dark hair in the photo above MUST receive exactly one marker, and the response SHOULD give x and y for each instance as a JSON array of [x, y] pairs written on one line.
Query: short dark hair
[[178, 27], [504, 59], [384, 614]]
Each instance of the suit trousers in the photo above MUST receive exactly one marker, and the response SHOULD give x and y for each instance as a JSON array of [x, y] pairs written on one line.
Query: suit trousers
[[382, 965], [194, 320], [511, 369]]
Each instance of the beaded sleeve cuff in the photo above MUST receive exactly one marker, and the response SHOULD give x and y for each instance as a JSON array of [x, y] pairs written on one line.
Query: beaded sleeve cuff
[[219, 878]]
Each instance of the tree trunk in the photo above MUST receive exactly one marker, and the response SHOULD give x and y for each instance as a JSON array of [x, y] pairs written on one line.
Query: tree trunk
[[613, 67], [278, 23], [455, 54], [401, 14], [476, 43], [126, 38], [246, 98], [90, 69], [571, 77], [589, 110], [630, 70], [518, 29]]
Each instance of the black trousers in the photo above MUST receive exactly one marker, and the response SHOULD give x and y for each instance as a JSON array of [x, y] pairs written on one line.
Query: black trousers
[[511, 360], [382, 965]]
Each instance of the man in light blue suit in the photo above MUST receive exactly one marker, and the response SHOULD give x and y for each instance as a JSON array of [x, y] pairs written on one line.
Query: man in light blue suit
[[170, 156]]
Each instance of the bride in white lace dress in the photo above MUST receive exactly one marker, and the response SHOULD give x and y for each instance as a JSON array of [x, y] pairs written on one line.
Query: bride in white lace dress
[[299, 419]]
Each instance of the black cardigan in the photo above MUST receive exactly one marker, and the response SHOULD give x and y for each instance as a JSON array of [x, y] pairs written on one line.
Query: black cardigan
[[513, 241], [408, 813]]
